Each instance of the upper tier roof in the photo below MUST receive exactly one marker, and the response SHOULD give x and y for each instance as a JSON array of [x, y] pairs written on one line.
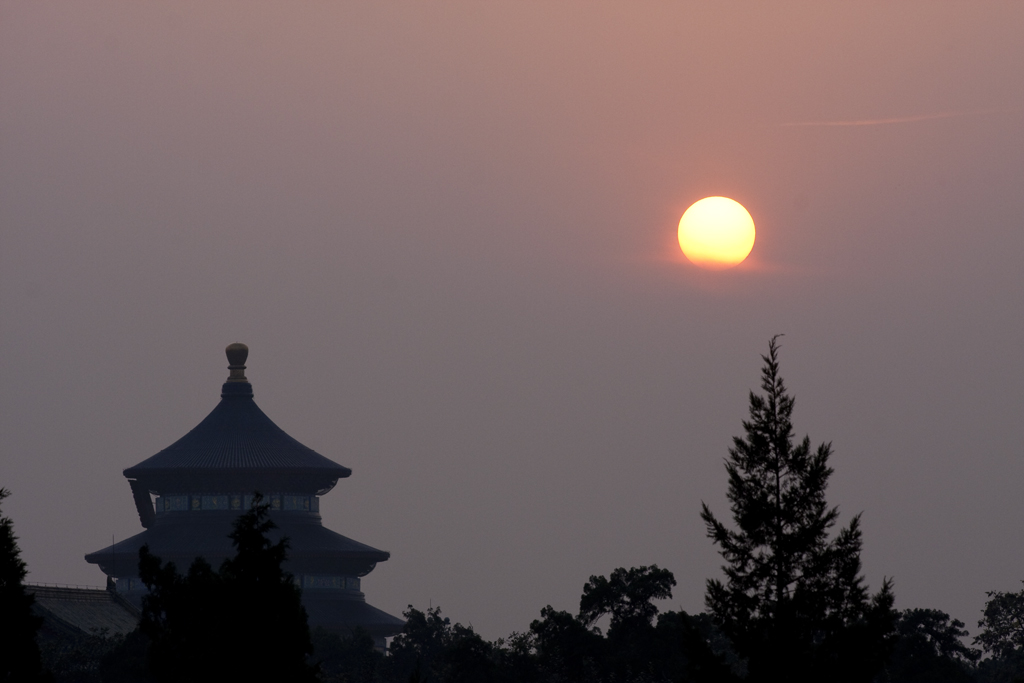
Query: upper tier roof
[[237, 438]]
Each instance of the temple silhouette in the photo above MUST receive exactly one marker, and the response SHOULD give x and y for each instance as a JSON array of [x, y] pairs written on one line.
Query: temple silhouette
[[203, 481]]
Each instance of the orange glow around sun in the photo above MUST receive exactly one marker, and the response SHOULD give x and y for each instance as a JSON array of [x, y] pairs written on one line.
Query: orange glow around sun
[[716, 233]]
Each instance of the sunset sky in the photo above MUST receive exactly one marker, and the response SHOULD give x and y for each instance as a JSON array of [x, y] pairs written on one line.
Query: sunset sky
[[447, 232]]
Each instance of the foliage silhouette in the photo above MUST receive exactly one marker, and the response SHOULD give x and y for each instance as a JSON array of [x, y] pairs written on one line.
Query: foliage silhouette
[[929, 649], [626, 595], [687, 647], [19, 653], [1002, 625], [1002, 638], [794, 603], [567, 649], [349, 659], [430, 648], [516, 657], [679, 647], [125, 659], [244, 622], [74, 657], [419, 649]]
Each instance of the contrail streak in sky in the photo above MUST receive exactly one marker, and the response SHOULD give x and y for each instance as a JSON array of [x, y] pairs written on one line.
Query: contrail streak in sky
[[883, 122]]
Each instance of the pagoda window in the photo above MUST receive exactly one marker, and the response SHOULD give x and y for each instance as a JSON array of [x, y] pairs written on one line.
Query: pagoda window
[[174, 503], [215, 502], [268, 499], [197, 503], [236, 502], [296, 503], [335, 582], [314, 503]]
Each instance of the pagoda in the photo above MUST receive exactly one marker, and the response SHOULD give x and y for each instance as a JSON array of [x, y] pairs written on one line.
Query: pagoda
[[188, 495]]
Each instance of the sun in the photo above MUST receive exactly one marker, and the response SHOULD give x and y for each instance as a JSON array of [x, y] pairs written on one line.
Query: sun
[[716, 233]]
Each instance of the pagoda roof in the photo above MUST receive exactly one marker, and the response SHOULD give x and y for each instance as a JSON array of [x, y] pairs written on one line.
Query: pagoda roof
[[182, 542], [237, 438], [345, 616]]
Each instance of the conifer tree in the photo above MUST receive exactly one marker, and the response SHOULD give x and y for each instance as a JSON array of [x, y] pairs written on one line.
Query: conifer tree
[[19, 653], [793, 602], [245, 622]]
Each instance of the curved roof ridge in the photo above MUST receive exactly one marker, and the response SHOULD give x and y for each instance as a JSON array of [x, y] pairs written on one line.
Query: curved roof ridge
[[237, 435]]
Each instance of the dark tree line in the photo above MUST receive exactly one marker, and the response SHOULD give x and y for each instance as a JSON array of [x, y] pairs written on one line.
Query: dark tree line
[[792, 607], [927, 646], [20, 659], [640, 645]]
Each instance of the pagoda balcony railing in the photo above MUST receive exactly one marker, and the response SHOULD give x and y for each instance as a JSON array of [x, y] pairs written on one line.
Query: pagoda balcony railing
[[314, 582], [194, 502]]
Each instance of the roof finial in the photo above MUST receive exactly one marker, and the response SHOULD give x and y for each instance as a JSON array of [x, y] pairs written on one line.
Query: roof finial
[[237, 353]]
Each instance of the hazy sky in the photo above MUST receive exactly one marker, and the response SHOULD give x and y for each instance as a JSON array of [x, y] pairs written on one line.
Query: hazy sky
[[447, 233]]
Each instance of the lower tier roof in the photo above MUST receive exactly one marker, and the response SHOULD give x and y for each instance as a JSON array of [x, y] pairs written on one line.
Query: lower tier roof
[[313, 548], [346, 615]]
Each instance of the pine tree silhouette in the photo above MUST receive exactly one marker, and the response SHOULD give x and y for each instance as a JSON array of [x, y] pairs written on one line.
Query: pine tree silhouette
[[793, 602], [19, 653], [245, 622]]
